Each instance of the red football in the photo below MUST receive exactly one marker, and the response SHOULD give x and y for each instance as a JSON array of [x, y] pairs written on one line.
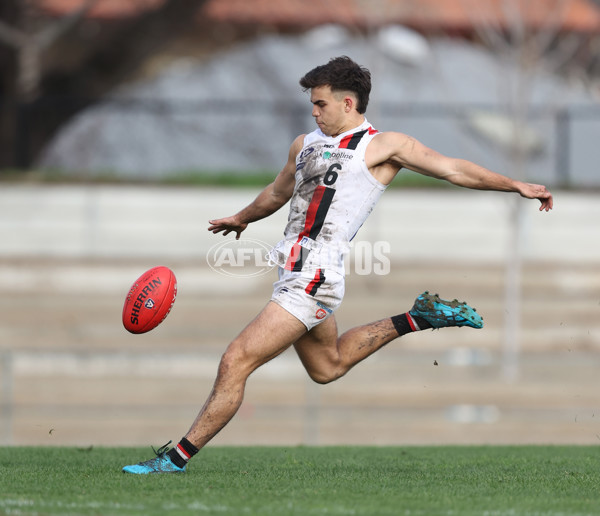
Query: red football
[[149, 300]]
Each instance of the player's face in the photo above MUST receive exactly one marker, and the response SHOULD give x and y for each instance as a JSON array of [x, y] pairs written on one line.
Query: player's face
[[328, 110]]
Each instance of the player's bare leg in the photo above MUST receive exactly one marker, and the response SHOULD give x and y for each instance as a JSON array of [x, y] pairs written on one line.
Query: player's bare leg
[[269, 334], [327, 357]]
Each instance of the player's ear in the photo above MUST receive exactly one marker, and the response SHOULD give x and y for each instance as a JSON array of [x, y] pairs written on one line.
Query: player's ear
[[348, 104]]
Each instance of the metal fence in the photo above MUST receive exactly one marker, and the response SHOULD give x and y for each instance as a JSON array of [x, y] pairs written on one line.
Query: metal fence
[[158, 137]]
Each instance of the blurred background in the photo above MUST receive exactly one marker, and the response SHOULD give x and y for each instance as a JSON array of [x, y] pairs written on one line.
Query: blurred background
[[125, 126]]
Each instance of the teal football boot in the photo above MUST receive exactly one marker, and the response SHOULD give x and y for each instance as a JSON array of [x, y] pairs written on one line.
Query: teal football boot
[[159, 464], [440, 313]]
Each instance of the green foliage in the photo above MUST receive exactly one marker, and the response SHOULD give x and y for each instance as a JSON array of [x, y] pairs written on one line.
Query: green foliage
[[278, 481]]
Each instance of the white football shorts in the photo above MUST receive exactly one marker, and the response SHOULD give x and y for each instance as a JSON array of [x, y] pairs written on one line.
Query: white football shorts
[[310, 296]]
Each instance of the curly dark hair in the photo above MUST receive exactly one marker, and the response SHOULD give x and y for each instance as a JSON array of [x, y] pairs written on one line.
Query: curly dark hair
[[341, 74]]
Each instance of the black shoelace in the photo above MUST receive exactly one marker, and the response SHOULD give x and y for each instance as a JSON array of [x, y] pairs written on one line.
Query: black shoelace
[[162, 450]]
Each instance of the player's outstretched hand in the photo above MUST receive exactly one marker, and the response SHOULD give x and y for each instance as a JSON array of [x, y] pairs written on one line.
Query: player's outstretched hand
[[533, 191], [227, 225]]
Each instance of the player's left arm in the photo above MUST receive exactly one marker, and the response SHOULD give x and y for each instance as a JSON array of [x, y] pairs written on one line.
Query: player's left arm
[[405, 151]]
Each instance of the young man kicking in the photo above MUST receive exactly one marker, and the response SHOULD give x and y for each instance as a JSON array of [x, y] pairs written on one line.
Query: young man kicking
[[333, 178]]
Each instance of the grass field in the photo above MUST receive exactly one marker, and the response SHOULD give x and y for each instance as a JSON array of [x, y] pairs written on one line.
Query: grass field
[[232, 178], [499, 480]]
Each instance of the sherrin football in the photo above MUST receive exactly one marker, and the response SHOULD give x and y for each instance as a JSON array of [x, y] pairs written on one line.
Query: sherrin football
[[149, 300]]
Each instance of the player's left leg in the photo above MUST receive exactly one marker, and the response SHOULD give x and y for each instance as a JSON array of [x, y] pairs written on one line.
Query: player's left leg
[[268, 335]]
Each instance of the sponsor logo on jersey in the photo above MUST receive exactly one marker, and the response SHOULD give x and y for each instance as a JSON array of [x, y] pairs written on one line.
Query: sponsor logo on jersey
[[301, 159], [337, 155]]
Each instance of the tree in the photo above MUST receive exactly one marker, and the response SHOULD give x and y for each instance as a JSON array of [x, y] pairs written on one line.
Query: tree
[[29, 44], [50, 70], [536, 37]]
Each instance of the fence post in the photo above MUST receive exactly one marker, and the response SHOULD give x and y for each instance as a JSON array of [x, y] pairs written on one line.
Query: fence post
[[312, 413], [563, 147], [6, 398]]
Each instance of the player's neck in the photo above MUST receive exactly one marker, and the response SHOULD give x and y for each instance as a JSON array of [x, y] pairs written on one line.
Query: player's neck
[[350, 123]]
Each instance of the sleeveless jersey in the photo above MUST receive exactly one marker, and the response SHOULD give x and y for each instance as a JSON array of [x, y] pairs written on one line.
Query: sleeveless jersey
[[333, 196]]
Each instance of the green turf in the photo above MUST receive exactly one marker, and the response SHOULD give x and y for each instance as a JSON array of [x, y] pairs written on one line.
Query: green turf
[[373, 481], [194, 178]]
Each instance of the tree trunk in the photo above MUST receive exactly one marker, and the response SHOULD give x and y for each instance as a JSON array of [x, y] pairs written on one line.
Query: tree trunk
[[40, 89]]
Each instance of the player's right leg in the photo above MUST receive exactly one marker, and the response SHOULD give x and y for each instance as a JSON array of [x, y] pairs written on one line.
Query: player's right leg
[[326, 357]]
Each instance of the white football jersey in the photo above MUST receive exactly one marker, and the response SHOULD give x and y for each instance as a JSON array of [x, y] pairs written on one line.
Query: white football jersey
[[333, 196]]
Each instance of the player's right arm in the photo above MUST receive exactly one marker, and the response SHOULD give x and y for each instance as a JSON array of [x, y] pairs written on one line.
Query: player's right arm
[[273, 197]]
